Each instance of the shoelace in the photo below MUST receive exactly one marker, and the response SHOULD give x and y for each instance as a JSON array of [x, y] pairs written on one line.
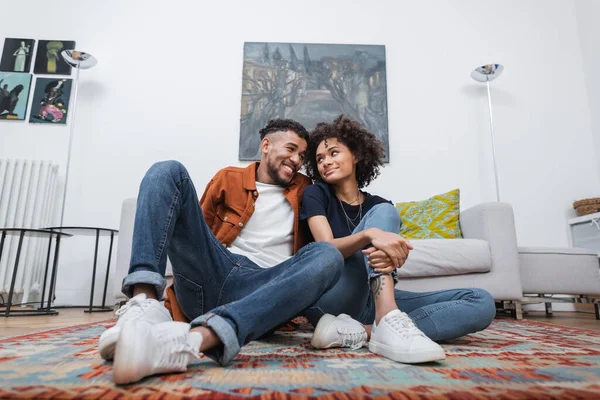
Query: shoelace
[[136, 306], [352, 338], [402, 324]]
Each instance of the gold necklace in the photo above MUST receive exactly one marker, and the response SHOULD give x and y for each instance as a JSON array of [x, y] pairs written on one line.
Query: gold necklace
[[355, 200], [350, 221]]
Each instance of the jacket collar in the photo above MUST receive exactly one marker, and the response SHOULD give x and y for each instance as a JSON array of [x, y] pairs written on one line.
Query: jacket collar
[[249, 178]]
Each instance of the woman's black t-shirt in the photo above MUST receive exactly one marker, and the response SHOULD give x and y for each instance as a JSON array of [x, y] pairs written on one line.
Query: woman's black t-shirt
[[319, 199]]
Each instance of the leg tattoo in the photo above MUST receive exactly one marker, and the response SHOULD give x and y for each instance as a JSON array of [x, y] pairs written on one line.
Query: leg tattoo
[[377, 285]]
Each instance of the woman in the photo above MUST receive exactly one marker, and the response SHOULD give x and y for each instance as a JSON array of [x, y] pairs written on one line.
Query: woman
[[342, 158]]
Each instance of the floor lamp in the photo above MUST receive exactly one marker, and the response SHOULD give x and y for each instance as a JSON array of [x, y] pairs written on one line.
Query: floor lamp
[[487, 73], [78, 60]]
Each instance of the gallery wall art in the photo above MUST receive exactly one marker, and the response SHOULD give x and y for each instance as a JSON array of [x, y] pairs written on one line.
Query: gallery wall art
[[51, 96], [311, 83], [17, 55], [14, 95], [50, 101]]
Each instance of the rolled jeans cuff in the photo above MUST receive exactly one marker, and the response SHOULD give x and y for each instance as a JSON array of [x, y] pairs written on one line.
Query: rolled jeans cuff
[[230, 348], [373, 274], [148, 277]]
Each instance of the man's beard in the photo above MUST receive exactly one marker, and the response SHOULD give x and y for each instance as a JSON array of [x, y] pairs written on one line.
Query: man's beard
[[274, 174]]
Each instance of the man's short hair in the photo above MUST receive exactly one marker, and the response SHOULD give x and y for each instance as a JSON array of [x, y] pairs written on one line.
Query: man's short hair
[[282, 125]]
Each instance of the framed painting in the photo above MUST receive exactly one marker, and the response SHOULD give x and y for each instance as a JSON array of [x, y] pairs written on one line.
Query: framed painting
[[311, 83], [48, 59], [17, 55], [50, 101], [14, 95]]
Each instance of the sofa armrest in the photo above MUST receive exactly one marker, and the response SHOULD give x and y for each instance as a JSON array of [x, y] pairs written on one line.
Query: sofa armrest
[[124, 248], [495, 223]]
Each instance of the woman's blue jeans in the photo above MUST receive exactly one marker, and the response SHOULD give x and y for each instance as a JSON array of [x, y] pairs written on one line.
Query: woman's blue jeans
[[441, 315]]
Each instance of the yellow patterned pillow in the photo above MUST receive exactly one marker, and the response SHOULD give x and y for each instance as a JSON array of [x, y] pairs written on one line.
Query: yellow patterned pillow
[[434, 218]]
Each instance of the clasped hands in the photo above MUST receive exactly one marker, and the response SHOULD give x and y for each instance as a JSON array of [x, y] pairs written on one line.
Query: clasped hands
[[389, 251]]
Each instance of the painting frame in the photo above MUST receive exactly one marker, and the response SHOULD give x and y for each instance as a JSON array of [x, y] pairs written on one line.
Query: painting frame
[[15, 88], [48, 60], [51, 100], [311, 83], [17, 55]]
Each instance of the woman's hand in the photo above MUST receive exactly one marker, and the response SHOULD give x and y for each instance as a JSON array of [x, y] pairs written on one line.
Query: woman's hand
[[379, 261], [392, 244]]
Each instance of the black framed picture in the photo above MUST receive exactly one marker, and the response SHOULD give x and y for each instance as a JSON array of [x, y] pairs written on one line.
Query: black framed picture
[[50, 101], [14, 95], [17, 55], [48, 59]]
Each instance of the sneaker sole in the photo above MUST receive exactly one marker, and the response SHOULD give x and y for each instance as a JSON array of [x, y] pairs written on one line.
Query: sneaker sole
[[322, 327], [126, 368], [407, 358]]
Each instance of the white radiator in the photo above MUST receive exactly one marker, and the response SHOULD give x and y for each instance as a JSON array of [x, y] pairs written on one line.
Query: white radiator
[[27, 192]]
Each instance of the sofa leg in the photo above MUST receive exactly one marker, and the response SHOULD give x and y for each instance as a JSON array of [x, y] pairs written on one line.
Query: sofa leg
[[597, 310], [518, 310], [513, 307], [548, 309]]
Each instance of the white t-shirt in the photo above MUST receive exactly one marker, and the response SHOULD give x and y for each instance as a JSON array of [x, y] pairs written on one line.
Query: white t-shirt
[[268, 237]]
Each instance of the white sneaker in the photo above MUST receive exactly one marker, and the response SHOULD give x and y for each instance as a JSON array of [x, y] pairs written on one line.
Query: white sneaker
[[397, 338], [137, 308], [340, 331], [146, 349]]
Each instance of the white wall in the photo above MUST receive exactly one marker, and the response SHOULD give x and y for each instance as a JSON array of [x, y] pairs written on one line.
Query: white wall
[[168, 86], [588, 15]]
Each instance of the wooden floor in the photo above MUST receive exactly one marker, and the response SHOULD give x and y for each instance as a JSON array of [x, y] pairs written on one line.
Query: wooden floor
[[566, 318], [13, 326]]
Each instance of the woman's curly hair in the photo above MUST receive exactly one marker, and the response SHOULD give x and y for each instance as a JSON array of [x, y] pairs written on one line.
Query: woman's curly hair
[[363, 144]]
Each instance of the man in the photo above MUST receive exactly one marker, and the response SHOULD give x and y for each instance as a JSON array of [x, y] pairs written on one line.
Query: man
[[238, 263]]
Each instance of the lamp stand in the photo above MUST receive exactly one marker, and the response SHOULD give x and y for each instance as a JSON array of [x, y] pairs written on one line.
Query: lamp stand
[[487, 73]]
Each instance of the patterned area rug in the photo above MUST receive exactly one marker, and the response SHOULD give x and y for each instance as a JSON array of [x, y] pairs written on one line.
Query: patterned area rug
[[510, 360]]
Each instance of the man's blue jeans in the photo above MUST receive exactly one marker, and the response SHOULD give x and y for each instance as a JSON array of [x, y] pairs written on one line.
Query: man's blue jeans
[[236, 298], [441, 315]]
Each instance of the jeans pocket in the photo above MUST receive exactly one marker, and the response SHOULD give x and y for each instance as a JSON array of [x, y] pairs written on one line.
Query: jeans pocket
[[190, 296]]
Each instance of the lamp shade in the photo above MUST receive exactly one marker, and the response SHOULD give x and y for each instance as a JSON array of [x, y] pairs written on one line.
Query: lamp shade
[[487, 73], [79, 59]]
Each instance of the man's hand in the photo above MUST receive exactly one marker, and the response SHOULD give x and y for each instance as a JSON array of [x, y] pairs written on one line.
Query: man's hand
[[392, 244]]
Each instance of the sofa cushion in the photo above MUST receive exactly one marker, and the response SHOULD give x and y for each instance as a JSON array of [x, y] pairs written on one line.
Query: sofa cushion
[[437, 257], [559, 270], [434, 218], [556, 250]]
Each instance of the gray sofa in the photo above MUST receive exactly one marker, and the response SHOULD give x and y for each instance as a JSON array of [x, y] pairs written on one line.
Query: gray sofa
[[486, 258], [560, 275]]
